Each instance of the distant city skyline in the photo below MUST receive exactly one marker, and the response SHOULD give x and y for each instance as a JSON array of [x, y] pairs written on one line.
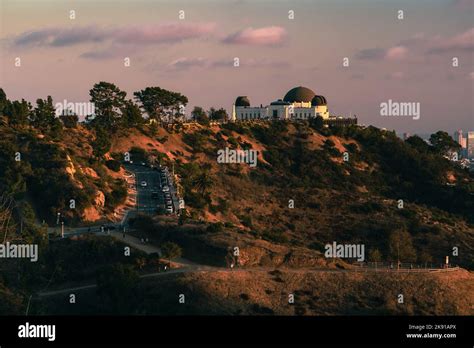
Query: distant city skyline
[[404, 60]]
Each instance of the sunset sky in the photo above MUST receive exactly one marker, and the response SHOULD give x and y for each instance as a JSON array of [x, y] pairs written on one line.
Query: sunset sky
[[407, 60]]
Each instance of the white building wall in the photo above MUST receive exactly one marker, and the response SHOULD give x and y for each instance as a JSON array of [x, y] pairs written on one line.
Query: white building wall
[[300, 111], [250, 113], [281, 112]]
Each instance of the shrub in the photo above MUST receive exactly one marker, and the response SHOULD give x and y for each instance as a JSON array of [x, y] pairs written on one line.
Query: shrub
[[233, 142], [113, 165], [162, 139], [246, 221], [215, 228], [138, 154], [275, 236]]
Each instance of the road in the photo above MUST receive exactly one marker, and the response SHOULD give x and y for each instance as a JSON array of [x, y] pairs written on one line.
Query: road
[[152, 177], [144, 201]]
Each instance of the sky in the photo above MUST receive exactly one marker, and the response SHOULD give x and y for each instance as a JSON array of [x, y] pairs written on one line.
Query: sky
[[403, 60]]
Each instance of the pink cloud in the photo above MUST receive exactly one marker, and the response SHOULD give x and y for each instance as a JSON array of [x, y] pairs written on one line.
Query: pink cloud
[[267, 36], [184, 63], [396, 53], [141, 35], [170, 32], [462, 41]]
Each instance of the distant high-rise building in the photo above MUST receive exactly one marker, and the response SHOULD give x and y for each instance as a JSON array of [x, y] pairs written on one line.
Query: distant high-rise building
[[470, 145], [461, 140]]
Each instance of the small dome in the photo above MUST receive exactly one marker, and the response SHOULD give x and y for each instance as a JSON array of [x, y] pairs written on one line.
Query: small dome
[[319, 100], [242, 101], [299, 94]]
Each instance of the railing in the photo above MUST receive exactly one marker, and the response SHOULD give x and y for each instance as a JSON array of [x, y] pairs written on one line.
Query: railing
[[403, 267]]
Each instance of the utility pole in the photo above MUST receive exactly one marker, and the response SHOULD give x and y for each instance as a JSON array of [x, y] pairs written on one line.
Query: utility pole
[[62, 229], [398, 251]]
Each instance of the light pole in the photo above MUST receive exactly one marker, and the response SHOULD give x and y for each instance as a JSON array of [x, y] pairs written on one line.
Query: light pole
[[62, 229], [28, 306]]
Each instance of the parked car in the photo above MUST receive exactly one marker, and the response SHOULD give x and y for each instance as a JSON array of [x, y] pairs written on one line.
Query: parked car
[[169, 202], [143, 184], [169, 209], [166, 189]]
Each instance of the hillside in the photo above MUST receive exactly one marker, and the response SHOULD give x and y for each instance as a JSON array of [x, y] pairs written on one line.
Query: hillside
[[267, 292], [295, 162], [311, 186], [332, 198]]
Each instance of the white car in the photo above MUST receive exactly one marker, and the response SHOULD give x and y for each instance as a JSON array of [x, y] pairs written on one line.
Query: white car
[[143, 184], [166, 189], [169, 210]]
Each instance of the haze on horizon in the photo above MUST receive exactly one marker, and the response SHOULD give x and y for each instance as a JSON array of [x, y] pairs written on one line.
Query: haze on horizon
[[407, 60]]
